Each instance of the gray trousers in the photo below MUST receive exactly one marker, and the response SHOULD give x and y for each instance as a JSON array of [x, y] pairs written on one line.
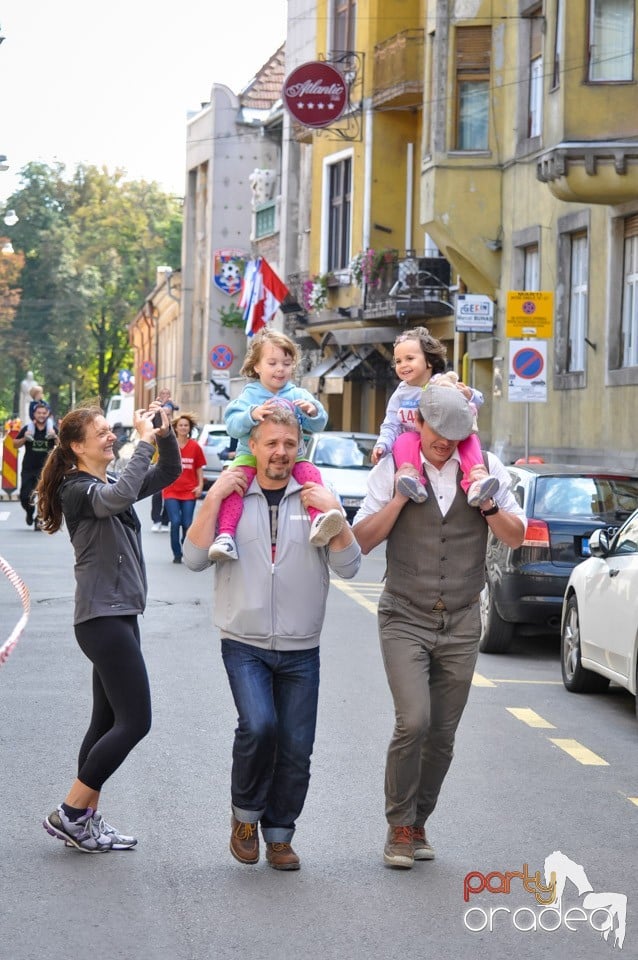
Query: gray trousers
[[429, 660]]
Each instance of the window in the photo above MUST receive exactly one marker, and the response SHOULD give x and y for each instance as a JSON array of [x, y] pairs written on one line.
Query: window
[[611, 39], [473, 49], [535, 107], [559, 33], [266, 219], [629, 326], [339, 207], [577, 323], [531, 268], [571, 301], [344, 18]]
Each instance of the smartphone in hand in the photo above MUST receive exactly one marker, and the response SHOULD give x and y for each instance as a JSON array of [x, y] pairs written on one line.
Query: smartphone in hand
[[157, 419]]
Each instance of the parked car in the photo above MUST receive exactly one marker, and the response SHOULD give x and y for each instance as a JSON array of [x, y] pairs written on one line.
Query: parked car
[[344, 461], [599, 633], [214, 441], [564, 505]]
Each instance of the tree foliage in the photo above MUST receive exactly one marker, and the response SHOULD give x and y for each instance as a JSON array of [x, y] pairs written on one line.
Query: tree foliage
[[87, 251]]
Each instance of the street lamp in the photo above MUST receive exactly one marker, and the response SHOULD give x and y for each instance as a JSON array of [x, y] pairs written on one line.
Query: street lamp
[[7, 249], [11, 218], [3, 162]]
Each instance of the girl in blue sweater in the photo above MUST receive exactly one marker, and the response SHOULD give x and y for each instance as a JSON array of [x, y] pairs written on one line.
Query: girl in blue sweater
[[270, 364]]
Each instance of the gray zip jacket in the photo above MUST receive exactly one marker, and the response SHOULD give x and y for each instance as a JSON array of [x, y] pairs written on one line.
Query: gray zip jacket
[[110, 573], [280, 605]]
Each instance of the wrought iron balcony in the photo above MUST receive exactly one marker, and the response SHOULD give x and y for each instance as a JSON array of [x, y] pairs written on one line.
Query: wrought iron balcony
[[398, 71]]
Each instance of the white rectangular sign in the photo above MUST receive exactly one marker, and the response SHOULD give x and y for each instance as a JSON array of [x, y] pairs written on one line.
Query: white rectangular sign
[[474, 313], [528, 371]]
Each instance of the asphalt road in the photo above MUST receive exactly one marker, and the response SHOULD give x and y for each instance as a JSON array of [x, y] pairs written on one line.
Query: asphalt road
[[517, 791]]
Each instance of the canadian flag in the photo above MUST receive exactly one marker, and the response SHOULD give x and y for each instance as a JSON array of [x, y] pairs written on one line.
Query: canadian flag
[[261, 294]]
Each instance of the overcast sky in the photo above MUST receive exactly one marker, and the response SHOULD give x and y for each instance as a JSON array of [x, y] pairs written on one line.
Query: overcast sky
[[112, 83]]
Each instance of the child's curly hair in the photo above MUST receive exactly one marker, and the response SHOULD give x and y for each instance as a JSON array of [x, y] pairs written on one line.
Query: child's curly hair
[[256, 348], [433, 350]]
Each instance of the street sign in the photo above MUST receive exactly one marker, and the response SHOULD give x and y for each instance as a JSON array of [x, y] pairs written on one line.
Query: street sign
[[528, 371], [219, 388], [530, 313], [474, 313], [147, 370], [221, 357]]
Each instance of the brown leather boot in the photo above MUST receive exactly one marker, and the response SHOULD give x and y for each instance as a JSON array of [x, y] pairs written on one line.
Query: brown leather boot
[[281, 856], [244, 841]]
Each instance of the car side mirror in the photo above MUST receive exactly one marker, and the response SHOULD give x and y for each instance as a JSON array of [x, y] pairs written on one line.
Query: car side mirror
[[599, 543]]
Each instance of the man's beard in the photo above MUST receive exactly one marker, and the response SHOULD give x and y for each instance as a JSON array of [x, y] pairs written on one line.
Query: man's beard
[[278, 470]]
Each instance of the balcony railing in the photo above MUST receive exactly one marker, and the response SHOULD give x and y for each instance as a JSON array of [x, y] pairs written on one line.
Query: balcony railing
[[398, 70]]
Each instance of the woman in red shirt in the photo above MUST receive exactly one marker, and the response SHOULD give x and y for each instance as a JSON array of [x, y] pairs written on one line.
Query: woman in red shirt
[[180, 498]]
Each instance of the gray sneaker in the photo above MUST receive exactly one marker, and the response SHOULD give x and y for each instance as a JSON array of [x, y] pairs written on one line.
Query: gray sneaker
[[482, 490], [412, 487], [119, 841], [83, 833]]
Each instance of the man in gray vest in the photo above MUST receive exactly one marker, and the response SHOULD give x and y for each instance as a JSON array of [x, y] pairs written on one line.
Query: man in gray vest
[[429, 620]]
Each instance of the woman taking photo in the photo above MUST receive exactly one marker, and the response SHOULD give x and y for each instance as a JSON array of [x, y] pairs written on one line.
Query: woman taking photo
[[182, 495], [110, 593]]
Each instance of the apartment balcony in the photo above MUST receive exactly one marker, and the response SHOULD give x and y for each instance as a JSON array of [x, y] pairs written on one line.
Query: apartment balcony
[[409, 288], [398, 71], [591, 172]]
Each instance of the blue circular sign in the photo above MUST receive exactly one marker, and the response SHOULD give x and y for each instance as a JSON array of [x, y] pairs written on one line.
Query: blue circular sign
[[528, 363], [221, 357]]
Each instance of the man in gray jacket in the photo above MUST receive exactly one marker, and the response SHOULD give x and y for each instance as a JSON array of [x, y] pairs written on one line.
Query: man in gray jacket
[[269, 609]]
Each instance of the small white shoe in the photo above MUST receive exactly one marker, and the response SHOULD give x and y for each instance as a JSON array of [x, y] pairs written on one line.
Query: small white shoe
[[325, 527], [165, 528], [223, 548], [482, 490], [156, 527]]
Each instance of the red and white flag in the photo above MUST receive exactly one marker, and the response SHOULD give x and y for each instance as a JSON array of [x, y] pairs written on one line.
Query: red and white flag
[[261, 295]]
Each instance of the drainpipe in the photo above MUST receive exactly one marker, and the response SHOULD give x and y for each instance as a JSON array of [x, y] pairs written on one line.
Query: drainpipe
[[409, 195], [367, 175]]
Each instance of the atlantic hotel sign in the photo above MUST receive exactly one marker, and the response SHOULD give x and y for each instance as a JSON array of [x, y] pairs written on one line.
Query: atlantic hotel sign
[[315, 94]]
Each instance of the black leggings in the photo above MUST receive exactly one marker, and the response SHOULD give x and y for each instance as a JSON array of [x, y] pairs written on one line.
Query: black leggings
[[121, 696]]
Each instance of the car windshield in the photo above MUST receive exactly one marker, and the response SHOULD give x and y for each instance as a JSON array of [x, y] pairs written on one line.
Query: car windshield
[[609, 498], [351, 452]]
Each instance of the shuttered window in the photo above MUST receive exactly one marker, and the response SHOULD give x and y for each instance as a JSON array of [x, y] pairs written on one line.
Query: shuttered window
[[473, 55], [629, 326]]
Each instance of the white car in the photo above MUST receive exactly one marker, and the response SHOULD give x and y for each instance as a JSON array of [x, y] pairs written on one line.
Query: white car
[[214, 441], [344, 461], [599, 630]]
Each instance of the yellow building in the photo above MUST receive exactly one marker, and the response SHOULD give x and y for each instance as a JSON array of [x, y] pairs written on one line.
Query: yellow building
[[529, 181], [367, 249]]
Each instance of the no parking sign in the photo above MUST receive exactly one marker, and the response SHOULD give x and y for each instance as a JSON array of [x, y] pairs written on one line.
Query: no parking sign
[[528, 371]]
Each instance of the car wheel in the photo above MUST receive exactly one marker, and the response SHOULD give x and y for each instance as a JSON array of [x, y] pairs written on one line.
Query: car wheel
[[496, 633], [576, 677]]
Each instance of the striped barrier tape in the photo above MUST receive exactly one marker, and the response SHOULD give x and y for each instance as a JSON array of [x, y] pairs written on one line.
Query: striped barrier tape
[[21, 589]]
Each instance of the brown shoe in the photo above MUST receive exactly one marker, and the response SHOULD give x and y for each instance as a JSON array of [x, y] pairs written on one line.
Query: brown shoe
[[423, 849], [244, 841], [399, 849], [281, 856]]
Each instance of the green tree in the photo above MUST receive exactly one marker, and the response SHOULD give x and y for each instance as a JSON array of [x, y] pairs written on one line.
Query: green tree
[[91, 248]]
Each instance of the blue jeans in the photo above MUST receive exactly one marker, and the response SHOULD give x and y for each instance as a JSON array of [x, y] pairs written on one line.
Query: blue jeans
[[180, 513], [276, 695]]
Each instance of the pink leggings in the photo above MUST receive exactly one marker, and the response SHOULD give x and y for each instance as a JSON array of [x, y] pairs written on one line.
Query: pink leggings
[[231, 508], [405, 450]]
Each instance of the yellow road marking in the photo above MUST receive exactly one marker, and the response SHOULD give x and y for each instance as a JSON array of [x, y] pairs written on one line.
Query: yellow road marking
[[478, 680], [555, 683], [355, 595], [580, 753], [530, 717], [633, 800]]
